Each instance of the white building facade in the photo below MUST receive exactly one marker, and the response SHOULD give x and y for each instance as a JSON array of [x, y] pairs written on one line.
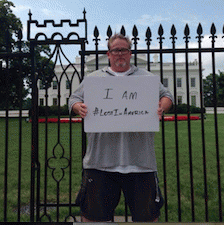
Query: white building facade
[[60, 87]]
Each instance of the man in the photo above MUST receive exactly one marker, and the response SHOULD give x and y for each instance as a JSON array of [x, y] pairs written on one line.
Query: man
[[119, 161]]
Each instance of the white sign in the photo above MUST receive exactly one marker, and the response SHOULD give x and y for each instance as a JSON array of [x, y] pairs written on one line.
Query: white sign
[[121, 104]]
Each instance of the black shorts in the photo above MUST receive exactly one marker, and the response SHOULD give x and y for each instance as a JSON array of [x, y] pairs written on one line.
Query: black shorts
[[100, 194]]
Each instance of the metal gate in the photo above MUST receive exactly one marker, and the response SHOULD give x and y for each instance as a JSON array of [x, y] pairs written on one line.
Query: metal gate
[[72, 38]]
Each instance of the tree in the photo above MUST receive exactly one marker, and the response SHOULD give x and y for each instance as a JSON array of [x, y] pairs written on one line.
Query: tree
[[8, 21], [10, 91], [209, 89], [9, 25]]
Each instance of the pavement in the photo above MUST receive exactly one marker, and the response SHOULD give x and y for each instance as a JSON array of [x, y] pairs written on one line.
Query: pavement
[[117, 219]]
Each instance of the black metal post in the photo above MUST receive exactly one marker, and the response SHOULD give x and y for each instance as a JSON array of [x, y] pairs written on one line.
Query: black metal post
[[173, 33], [6, 129], [213, 31], [187, 32], [199, 32], [20, 124], [34, 142]]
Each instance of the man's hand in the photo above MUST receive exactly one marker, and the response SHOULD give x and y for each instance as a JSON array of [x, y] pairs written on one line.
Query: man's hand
[[80, 108], [164, 106], [160, 111]]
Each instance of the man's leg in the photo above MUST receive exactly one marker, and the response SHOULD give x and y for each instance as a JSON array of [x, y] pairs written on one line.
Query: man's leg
[[98, 196], [140, 192]]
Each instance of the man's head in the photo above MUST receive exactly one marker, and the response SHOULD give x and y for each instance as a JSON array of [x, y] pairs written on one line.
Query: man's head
[[119, 53]]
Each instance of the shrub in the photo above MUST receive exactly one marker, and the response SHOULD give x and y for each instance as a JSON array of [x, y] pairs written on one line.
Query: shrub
[[183, 109], [52, 110]]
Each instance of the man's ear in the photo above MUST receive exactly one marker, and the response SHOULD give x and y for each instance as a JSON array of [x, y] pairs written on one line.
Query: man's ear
[[108, 55]]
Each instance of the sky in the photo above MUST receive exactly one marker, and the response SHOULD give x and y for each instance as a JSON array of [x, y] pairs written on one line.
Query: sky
[[127, 13]]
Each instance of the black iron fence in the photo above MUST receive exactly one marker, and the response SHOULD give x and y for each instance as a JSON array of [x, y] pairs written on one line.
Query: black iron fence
[[9, 96], [186, 51], [45, 140]]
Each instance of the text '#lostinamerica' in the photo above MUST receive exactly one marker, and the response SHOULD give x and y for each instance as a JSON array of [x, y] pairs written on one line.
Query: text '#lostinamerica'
[[118, 112]]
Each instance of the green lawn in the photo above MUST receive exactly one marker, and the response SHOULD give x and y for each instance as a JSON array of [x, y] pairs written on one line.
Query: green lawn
[[53, 143], [184, 169]]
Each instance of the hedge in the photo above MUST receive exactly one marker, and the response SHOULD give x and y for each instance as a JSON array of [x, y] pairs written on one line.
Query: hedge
[[52, 110], [183, 109]]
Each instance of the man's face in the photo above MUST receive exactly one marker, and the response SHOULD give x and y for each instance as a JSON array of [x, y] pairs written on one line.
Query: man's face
[[119, 62]]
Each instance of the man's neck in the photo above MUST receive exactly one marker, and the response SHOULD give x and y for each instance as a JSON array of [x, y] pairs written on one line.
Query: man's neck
[[120, 73]]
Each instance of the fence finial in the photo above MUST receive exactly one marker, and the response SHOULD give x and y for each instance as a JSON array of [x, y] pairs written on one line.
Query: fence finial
[[186, 30], [173, 30], [84, 14], [213, 32], [96, 35], [109, 32], [148, 36], [123, 32], [187, 33], [160, 31], [199, 32], [135, 35], [173, 33], [96, 32], [213, 29], [30, 15], [135, 31], [199, 29]]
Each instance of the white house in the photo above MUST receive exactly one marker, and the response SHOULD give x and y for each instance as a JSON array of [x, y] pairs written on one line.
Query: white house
[[64, 75]]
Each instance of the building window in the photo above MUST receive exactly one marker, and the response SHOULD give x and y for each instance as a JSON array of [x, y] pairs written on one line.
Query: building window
[[193, 100], [179, 82], [165, 82], [55, 101], [179, 100], [193, 82], [67, 84], [41, 86], [55, 85], [41, 101]]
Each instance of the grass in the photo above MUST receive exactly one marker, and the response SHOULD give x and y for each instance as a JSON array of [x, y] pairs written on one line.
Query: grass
[[171, 171], [184, 169]]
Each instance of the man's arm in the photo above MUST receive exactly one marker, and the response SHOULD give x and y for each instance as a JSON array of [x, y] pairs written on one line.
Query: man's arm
[[76, 98]]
